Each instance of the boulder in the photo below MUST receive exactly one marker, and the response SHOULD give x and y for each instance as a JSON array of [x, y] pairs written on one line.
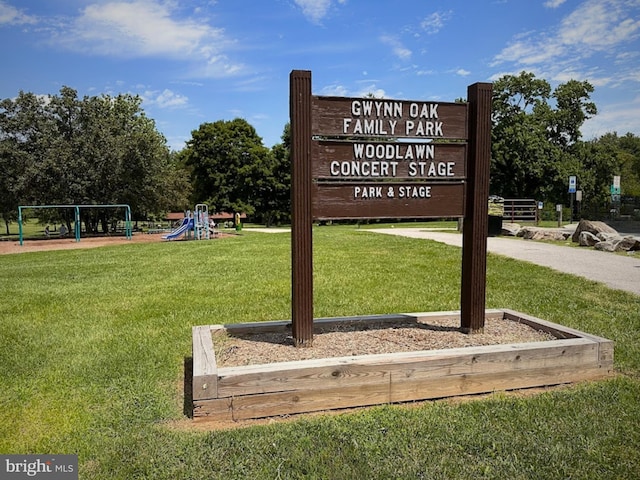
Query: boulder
[[606, 236], [618, 244], [535, 233], [588, 239], [511, 229], [591, 227], [608, 246], [627, 244]]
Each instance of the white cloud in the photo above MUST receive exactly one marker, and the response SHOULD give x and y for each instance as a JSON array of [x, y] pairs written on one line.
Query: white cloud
[[148, 28], [371, 89], [434, 22], [622, 118], [365, 88], [600, 25], [315, 10], [218, 66], [10, 15], [335, 91], [109, 27], [596, 25], [531, 51], [165, 99], [462, 72], [553, 3], [399, 50]]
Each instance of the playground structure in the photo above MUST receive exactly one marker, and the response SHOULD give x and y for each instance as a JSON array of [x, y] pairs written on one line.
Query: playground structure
[[77, 222], [198, 223]]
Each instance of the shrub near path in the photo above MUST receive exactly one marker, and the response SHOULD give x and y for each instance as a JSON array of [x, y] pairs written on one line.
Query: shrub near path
[[93, 344]]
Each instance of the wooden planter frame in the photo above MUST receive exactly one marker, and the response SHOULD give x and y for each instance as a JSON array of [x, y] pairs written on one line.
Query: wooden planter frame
[[256, 391]]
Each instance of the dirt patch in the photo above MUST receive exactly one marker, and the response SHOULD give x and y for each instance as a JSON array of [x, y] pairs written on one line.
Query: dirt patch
[[352, 339], [9, 247]]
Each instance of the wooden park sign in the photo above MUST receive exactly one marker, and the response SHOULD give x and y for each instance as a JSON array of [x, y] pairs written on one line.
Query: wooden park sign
[[360, 158]]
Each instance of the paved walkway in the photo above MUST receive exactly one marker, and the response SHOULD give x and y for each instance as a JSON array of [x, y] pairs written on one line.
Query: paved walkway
[[616, 271]]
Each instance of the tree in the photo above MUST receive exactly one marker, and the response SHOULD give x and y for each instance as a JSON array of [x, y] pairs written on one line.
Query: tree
[[276, 206], [629, 158], [612, 155], [534, 141], [228, 165], [22, 124], [514, 96], [95, 150], [573, 108], [597, 165]]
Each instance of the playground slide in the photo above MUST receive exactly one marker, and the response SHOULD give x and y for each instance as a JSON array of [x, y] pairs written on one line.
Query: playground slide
[[187, 224]]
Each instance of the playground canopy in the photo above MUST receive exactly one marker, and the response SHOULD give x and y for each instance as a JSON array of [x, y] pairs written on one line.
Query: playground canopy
[[127, 216]]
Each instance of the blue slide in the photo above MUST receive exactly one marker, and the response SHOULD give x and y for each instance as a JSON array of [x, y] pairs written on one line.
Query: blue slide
[[187, 224]]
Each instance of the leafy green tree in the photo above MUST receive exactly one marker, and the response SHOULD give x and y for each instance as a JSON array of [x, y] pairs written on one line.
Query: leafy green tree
[[597, 164], [572, 109], [229, 166], [605, 157], [23, 122], [629, 158], [535, 135], [96, 150], [276, 207]]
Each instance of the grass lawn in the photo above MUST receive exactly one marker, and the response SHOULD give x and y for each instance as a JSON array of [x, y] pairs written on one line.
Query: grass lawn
[[93, 345], [32, 229]]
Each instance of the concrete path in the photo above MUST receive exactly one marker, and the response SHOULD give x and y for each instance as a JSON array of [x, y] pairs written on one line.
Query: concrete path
[[616, 271]]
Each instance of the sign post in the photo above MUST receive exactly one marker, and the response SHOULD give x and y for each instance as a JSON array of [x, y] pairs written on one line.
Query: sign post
[[559, 212], [476, 222], [348, 164], [572, 192], [301, 220]]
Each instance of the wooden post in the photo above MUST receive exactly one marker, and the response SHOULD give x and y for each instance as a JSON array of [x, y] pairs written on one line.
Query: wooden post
[[474, 243], [301, 219]]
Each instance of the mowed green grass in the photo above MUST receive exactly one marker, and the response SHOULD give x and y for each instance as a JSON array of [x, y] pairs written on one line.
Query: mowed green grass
[[93, 345]]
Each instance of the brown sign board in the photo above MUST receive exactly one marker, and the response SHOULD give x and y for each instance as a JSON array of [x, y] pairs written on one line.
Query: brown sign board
[[388, 200], [369, 121], [334, 160], [370, 117]]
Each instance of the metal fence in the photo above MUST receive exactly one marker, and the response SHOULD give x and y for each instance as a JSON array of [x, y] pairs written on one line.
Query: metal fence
[[520, 210]]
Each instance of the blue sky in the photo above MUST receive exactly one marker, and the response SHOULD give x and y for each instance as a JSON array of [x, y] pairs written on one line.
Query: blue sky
[[206, 60]]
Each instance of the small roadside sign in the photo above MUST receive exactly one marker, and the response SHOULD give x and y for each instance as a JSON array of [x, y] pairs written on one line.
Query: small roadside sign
[[615, 188], [572, 184], [616, 181]]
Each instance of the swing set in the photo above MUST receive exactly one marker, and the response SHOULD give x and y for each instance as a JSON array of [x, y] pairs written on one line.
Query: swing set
[[127, 217]]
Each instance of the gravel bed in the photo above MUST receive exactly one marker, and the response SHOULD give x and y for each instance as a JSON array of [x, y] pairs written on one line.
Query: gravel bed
[[353, 339]]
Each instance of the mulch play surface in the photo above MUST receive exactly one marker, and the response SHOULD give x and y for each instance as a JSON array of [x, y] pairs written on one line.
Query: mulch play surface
[[8, 247]]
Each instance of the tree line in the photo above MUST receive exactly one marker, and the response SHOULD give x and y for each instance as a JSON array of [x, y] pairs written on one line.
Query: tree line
[[232, 171], [103, 150], [62, 149], [537, 145]]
